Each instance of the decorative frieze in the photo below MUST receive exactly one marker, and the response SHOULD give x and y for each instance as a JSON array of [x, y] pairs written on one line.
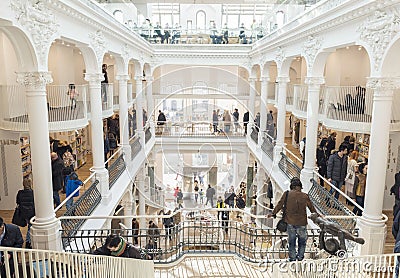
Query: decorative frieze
[[279, 57], [314, 80], [98, 43], [40, 23], [377, 31], [310, 50], [34, 80]]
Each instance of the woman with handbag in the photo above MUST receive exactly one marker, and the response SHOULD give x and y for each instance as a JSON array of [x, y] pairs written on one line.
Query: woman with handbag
[[352, 167], [26, 204]]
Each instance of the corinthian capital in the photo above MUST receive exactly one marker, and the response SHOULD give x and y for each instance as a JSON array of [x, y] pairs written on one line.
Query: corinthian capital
[[34, 80], [383, 83], [310, 80], [283, 79], [122, 77], [94, 78]]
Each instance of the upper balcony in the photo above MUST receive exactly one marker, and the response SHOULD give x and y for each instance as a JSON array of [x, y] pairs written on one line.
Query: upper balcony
[[67, 108]]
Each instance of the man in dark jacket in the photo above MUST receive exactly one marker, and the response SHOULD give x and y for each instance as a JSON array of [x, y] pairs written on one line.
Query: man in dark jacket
[[210, 195], [10, 236], [295, 217], [337, 169], [215, 121], [57, 166], [235, 115], [246, 118]]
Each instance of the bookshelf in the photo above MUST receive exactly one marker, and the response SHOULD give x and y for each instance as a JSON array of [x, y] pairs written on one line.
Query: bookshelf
[[362, 141], [26, 164], [77, 139]]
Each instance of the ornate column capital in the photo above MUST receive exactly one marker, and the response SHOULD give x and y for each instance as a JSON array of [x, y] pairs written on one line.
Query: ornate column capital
[[253, 79], [40, 23], [94, 78], [310, 50], [377, 31], [138, 78], [98, 43], [311, 80], [282, 79], [265, 79], [34, 80], [383, 87], [122, 77]]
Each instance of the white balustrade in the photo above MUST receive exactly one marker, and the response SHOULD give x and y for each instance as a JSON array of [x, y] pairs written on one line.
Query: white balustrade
[[66, 107], [44, 263], [300, 100], [290, 94]]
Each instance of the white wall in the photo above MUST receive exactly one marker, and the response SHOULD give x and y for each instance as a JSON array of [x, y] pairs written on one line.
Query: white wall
[[347, 67], [392, 167], [10, 170], [189, 11]]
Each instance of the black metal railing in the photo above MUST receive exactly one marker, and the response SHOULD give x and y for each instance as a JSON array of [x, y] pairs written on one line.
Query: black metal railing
[[147, 134], [199, 236], [84, 206], [288, 167], [135, 147], [116, 169], [201, 129], [268, 147], [254, 134], [327, 204]]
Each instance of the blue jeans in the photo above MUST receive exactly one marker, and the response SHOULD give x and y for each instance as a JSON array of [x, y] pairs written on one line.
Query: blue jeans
[[69, 203], [338, 185], [396, 250], [296, 233], [360, 201], [56, 198]]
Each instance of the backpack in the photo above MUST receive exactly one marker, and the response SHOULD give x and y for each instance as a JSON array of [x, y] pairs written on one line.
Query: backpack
[[68, 159], [395, 190], [112, 142]]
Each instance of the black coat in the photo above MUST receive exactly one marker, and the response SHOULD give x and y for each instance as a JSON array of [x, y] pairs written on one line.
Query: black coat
[[12, 237], [57, 167], [337, 167], [26, 203], [246, 117], [322, 161]]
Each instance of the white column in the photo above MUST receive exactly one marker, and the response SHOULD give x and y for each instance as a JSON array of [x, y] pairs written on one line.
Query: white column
[[123, 115], [150, 102], [314, 85], [142, 200], [263, 109], [128, 210], [252, 99], [139, 108], [97, 138], [372, 228], [280, 123], [45, 228]]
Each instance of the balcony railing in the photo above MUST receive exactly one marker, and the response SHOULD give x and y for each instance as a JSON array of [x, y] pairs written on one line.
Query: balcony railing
[[46, 263], [117, 166], [288, 167], [135, 146], [201, 129], [66, 107], [348, 103], [272, 91], [107, 97], [84, 206], [290, 94], [300, 100], [202, 236], [254, 134], [147, 133], [268, 146], [327, 204]]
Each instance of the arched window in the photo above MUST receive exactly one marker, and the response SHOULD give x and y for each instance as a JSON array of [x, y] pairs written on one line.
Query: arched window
[[201, 20], [280, 18], [119, 15]]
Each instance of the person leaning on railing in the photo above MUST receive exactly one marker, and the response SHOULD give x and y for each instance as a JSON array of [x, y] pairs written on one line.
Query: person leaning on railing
[[117, 246]]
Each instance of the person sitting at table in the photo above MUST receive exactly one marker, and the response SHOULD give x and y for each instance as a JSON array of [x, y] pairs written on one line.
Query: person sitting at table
[[242, 34], [225, 34], [157, 30], [213, 33]]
